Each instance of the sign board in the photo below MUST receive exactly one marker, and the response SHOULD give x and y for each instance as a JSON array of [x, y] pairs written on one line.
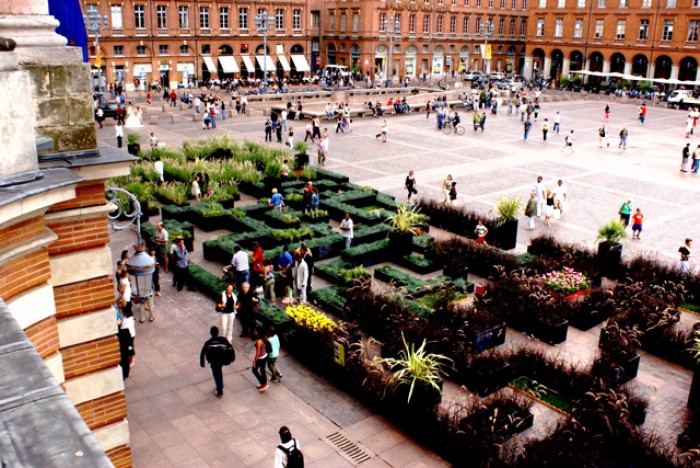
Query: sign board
[[339, 353]]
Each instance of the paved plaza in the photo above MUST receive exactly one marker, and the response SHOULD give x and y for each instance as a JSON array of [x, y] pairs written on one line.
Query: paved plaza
[[174, 418]]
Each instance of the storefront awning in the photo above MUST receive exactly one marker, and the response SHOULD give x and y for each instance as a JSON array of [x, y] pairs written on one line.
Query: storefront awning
[[228, 64], [300, 63], [285, 63], [265, 62], [140, 68], [210, 64], [248, 64]]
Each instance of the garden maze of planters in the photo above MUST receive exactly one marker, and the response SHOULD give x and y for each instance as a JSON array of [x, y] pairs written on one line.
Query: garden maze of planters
[[401, 316]]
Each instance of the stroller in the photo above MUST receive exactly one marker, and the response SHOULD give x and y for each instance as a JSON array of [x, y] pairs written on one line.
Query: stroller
[[229, 275]]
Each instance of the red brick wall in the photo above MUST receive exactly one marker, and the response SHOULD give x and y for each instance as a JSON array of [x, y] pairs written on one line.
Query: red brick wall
[[120, 456], [21, 232], [74, 236], [44, 336], [24, 273], [92, 356], [88, 194], [104, 411], [87, 296]]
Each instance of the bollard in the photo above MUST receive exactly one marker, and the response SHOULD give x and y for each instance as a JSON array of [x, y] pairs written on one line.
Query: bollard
[[153, 120]]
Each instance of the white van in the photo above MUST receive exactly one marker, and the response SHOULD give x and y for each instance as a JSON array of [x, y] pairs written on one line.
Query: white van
[[331, 70], [683, 98]]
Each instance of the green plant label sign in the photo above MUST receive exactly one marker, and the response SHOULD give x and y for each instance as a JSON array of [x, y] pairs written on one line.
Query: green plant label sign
[[339, 353]]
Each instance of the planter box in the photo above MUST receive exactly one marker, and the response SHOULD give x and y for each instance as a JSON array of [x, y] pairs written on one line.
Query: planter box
[[319, 219], [488, 339], [586, 321], [133, 148], [327, 250], [578, 295], [694, 395], [505, 236], [551, 334], [609, 257], [278, 223], [419, 269], [455, 272], [485, 383], [400, 244], [254, 190], [620, 373]]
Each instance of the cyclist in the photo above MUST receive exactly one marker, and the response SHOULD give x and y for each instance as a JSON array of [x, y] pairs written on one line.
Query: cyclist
[[456, 120]]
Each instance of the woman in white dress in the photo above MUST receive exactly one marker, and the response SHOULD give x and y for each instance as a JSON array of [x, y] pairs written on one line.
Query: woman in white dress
[[132, 118]]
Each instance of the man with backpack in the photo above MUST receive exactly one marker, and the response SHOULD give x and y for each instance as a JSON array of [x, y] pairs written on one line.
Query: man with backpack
[[218, 352], [288, 453]]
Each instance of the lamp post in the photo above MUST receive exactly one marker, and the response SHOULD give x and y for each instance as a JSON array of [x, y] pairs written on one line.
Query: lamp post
[[140, 265], [264, 23], [95, 23], [488, 26], [395, 27]]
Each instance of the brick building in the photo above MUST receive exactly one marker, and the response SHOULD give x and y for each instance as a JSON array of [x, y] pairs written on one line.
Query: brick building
[[648, 38]]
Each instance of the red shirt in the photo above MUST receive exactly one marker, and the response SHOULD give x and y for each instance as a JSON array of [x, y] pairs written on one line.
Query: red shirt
[[637, 217]]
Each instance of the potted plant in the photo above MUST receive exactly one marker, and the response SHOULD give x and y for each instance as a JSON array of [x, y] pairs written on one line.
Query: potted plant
[[618, 362], [484, 374], [505, 234], [417, 374], [407, 220], [301, 154], [566, 283], [694, 395], [609, 246], [133, 143]]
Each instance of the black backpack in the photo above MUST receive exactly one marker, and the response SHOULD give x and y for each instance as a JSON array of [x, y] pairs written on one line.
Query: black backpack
[[221, 353], [295, 459]]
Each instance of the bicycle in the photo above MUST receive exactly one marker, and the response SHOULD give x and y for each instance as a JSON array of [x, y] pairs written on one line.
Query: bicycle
[[448, 127]]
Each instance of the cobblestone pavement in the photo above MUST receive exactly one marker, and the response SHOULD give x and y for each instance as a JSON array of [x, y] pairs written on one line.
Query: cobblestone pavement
[[175, 420]]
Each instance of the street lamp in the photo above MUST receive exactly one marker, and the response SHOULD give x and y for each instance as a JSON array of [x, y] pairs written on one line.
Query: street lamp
[[488, 27], [95, 23], [396, 27], [264, 23]]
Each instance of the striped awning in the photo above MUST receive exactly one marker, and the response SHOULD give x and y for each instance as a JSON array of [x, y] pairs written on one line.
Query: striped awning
[[209, 62], [248, 64], [300, 63], [228, 64], [265, 62], [285, 63]]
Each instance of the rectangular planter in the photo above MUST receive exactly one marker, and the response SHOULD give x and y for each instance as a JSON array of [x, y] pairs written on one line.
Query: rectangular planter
[[484, 384], [319, 219], [489, 339], [552, 334], [419, 269]]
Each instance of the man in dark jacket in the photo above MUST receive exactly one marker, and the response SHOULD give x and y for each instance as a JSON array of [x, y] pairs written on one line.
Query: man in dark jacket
[[218, 352]]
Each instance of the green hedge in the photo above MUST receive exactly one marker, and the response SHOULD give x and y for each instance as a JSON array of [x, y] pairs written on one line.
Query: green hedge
[[207, 283]]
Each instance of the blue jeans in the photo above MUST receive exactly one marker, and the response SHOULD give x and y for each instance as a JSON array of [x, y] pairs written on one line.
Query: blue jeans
[[242, 277], [623, 142], [527, 132], [348, 242], [556, 127], [696, 165], [212, 119]]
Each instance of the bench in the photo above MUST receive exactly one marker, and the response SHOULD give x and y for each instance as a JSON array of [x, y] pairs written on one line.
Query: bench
[[153, 120]]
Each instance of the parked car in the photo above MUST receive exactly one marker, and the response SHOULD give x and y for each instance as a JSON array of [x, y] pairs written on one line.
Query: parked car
[[473, 76], [110, 109], [494, 76], [509, 84]]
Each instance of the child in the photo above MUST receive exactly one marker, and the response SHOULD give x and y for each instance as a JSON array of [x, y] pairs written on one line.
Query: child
[[637, 219], [290, 137], [453, 193]]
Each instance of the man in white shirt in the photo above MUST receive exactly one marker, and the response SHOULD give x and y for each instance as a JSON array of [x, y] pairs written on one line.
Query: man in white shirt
[[540, 191], [161, 245], [241, 264], [284, 449], [301, 276], [346, 230], [561, 197]]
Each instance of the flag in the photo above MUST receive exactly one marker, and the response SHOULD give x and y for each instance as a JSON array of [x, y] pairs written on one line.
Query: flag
[[98, 58]]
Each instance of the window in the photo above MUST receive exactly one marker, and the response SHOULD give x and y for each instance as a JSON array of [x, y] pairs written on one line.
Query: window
[[296, 19], [204, 17], [599, 24], [331, 23], [139, 17], [91, 8], [243, 18], [667, 34], [514, 4], [163, 49], [412, 24], [601, 3], [561, 4], [696, 3], [453, 25], [315, 44], [426, 24], [503, 4], [490, 4], [559, 27], [620, 32], [478, 3], [643, 30], [511, 30], [540, 27], [117, 17], [692, 32], [397, 48], [543, 3], [670, 3], [438, 26], [279, 18], [466, 3], [382, 22], [184, 49], [524, 4], [646, 3], [581, 4], [397, 23], [523, 27], [623, 4], [355, 22], [162, 16], [343, 22], [119, 49], [578, 28], [501, 26], [224, 22], [140, 50], [465, 25], [183, 14], [426, 49], [316, 19], [454, 2]]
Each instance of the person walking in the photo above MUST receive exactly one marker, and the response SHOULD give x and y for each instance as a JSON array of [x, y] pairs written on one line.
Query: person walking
[[685, 157], [119, 133], [557, 122], [301, 277], [549, 207], [623, 138], [410, 185], [181, 274], [445, 189], [688, 126], [482, 121], [625, 212], [218, 352], [684, 250], [248, 304], [346, 230], [696, 160], [606, 115], [384, 130], [527, 125], [240, 262], [569, 142], [603, 137], [481, 231], [545, 129], [288, 453], [159, 167], [227, 307], [643, 113], [637, 219], [127, 322], [273, 353], [561, 197], [268, 130], [540, 192], [531, 211], [161, 241], [428, 107], [453, 194], [260, 359]]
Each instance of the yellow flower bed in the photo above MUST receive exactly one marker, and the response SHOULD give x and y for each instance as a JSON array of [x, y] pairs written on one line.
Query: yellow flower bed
[[306, 317]]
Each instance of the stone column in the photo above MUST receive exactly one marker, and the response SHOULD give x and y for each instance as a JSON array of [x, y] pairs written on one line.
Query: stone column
[[628, 68], [547, 67], [565, 64], [674, 72], [650, 71], [527, 72], [606, 66]]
